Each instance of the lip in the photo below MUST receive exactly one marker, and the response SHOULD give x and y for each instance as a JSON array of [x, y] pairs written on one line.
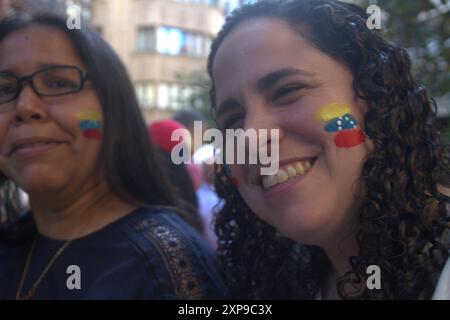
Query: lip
[[28, 147], [289, 184]]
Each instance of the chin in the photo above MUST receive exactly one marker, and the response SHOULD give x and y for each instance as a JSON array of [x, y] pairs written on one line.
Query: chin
[[304, 224], [40, 182]]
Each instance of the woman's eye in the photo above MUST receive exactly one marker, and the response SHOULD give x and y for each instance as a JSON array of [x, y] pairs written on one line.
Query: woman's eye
[[6, 90], [60, 83], [287, 94]]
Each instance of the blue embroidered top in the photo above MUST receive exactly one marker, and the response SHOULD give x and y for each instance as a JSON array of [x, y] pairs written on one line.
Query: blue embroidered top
[[148, 254]]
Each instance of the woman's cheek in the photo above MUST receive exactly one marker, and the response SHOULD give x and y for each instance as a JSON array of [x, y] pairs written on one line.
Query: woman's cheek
[[338, 121], [90, 123], [5, 122]]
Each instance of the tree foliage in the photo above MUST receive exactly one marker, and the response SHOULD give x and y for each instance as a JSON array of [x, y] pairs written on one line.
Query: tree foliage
[[423, 27]]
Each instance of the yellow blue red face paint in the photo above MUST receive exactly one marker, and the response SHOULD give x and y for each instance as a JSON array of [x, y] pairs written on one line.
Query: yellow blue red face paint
[[90, 124], [340, 121]]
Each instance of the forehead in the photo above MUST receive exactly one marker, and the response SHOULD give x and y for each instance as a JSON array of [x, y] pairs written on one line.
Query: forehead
[[23, 51], [260, 45], [259, 38]]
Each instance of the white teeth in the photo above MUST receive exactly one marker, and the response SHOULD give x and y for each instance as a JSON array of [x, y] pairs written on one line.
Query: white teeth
[[291, 172], [269, 181], [283, 175], [307, 165], [299, 168]]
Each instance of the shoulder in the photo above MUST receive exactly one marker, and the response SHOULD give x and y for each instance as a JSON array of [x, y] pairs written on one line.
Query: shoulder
[[175, 252]]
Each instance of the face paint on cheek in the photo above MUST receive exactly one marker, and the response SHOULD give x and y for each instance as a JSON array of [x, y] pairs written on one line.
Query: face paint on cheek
[[339, 121], [349, 138], [90, 123]]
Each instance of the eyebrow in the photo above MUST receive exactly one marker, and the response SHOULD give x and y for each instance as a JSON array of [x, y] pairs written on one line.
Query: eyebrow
[[41, 66], [272, 78], [49, 65], [263, 84]]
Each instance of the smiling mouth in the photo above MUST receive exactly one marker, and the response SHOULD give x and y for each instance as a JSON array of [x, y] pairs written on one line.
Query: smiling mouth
[[31, 148], [287, 172]]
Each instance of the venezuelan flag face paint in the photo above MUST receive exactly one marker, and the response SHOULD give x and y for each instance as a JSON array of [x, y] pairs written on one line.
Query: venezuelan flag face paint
[[339, 120], [90, 123]]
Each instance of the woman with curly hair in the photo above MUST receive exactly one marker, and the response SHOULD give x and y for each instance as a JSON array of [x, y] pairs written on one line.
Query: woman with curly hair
[[363, 171]]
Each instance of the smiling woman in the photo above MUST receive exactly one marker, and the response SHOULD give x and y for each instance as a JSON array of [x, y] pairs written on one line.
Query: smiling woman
[[72, 136], [360, 159]]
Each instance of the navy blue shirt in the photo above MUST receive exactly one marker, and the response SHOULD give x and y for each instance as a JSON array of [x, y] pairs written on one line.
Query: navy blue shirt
[[148, 254]]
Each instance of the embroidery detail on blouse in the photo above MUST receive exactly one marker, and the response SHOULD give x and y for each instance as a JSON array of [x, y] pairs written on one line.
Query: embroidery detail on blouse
[[174, 252]]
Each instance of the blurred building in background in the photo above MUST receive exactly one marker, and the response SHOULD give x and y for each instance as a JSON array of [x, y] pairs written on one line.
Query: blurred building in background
[[160, 41], [164, 43], [9, 7]]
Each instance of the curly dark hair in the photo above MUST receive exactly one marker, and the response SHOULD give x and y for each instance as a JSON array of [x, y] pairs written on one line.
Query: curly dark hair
[[404, 219]]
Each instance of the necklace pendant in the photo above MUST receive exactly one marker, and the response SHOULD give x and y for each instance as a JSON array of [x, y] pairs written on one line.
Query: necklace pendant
[[28, 296]]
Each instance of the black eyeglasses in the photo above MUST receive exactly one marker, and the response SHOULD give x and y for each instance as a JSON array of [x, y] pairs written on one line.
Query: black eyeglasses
[[50, 82]]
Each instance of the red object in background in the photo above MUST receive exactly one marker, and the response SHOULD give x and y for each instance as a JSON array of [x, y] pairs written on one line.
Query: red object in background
[[93, 134], [349, 138], [161, 132]]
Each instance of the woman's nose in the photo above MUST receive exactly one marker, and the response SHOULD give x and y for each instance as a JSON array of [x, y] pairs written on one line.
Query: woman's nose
[[269, 134], [265, 124], [29, 107]]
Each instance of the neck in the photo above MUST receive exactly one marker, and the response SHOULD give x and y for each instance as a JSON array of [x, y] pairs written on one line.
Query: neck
[[341, 243], [69, 217], [338, 252]]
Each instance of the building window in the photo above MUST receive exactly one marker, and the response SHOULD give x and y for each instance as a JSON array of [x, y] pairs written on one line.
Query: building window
[[214, 3], [163, 96], [170, 40], [173, 95], [175, 41], [146, 39], [207, 47], [146, 94], [168, 96]]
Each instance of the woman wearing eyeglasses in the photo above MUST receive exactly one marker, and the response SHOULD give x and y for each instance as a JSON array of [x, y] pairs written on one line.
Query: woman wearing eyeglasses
[[102, 222], [357, 209]]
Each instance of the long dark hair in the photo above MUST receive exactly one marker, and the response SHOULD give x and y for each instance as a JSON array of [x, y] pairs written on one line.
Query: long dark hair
[[183, 188], [127, 156], [404, 216]]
